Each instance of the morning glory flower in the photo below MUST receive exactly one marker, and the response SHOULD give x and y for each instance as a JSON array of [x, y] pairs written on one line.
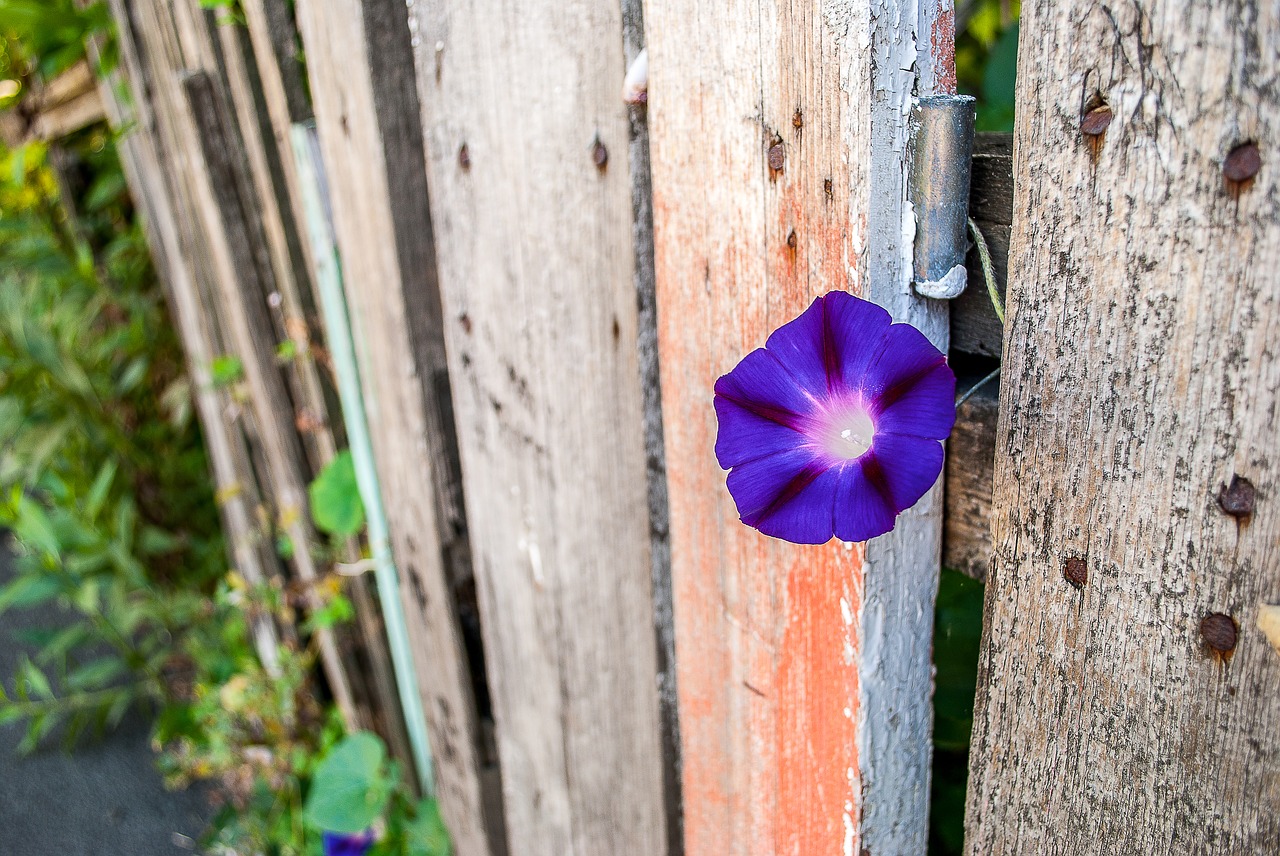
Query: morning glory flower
[[343, 844], [834, 427]]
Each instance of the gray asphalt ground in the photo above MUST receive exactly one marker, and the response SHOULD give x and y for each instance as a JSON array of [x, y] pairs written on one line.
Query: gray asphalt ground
[[106, 799]]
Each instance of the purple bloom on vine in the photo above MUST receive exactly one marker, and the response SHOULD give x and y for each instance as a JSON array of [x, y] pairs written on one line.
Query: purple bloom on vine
[[834, 427], [344, 844]]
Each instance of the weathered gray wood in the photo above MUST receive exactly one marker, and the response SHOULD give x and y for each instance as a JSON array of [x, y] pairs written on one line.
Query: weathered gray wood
[[1141, 374], [369, 125], [974, 326], [655, 450], [234, 234], [534, 238], [292, 310], [251, 554], [966, 531]]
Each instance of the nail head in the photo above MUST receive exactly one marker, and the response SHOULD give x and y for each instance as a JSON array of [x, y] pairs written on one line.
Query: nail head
[[599, 155], [1242, 163], [1238, 498], [464, 157], [1219, 632], [777, 156], [1076, 571], [1095, 122]]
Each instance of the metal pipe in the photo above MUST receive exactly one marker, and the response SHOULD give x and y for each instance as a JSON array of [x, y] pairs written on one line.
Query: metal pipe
[[938, 186], [315, 201]]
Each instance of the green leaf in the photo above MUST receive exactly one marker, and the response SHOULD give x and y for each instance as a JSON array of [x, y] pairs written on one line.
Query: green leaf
[[226, 370], [29, 590], [426, 835], [98, 493], [350, 788], [335, 498], [34, 679], [96, 673], [33, 527]]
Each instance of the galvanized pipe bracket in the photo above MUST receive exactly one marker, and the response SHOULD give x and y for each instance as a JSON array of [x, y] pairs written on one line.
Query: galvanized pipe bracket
[[939, 168]]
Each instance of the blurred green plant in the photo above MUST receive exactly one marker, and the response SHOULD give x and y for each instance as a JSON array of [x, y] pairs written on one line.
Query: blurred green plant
[[957, 635], [105, 487], [986, 60], [335, 498], [54, 32]]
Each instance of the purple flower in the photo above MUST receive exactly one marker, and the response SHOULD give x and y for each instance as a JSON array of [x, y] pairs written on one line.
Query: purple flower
[[833, 427], [344, 844]]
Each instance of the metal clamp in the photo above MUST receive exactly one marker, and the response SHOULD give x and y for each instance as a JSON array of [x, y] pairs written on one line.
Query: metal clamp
[[940, 158]]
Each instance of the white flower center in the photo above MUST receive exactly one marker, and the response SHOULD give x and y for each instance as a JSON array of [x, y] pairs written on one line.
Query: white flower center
[[849, 434]]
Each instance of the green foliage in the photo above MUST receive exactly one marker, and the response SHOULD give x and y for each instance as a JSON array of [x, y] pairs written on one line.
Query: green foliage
[[226, 370], [106, 495], [986, 61], [53, 31], [957, 635], [351, 786], [105, 487], [335, 498]]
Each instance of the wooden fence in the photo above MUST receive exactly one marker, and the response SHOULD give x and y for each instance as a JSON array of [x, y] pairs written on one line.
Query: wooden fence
[[544, 283]]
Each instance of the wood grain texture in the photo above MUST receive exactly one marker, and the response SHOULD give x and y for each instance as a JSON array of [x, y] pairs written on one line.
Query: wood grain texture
[[780, 749], [966, 532], [1140, 374], [975, 329], [537, 265], [377, 184]]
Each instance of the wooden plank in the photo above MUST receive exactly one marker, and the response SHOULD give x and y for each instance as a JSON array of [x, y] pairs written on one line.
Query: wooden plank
[[655, 450], [526, 138], [791, 743], [250, 554], [974, 326], [234, 235], [1140, 376], [966, 532], [293, 312], [369, 125]]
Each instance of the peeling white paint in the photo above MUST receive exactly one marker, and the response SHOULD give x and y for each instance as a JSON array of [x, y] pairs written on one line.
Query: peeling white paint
[[950, 286]]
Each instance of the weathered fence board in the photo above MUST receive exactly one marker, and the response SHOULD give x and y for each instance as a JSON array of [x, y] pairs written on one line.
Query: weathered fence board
[[526, 138], [368, 122], [778, 142], [1140, 376]]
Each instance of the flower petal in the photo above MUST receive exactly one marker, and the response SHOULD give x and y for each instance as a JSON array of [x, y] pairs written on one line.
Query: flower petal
[[862, 510], [744, 436], [857, 327], [902, 468], [789, 495], [926, 409], [831, 342], [904, 360], [760, 385]]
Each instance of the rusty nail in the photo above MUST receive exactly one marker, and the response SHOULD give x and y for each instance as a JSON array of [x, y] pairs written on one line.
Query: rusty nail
[[464, 157], [599, 154], [791, 239], [1095, 122], [1242, 163], [777, 156], [829, 188], [797, 121], [1238, 498], [1076, 571], [1219, 632]]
